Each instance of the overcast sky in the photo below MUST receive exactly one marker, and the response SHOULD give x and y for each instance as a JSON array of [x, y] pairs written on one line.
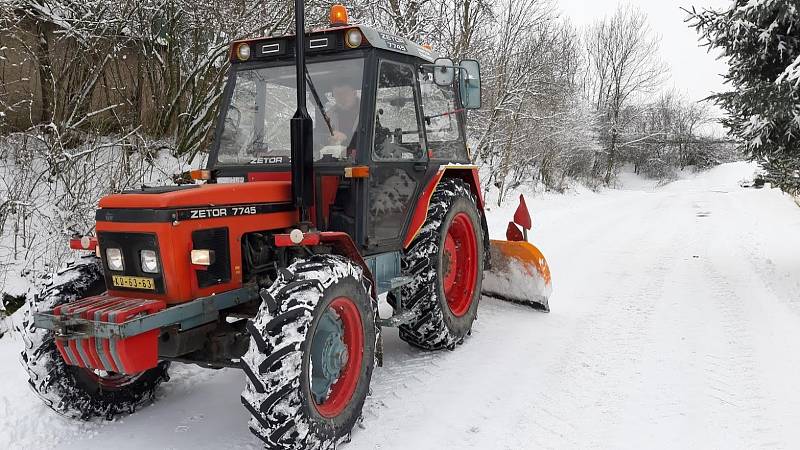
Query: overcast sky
[[693, 70]]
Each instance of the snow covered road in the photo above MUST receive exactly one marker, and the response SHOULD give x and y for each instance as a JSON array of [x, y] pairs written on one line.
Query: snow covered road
[[675, 324]]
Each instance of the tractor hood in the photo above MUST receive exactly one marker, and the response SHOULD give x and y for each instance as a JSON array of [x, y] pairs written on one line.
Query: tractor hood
[[172, 220], [257, 192]]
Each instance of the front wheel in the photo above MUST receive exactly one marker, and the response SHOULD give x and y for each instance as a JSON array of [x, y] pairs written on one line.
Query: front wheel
[[311, 355], [72, 391]]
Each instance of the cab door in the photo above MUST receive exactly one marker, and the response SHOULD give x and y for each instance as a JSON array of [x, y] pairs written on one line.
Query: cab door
[[398, 153]]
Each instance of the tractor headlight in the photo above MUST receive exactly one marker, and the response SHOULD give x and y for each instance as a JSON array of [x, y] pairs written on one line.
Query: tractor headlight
[[114, 259], [149, 261]]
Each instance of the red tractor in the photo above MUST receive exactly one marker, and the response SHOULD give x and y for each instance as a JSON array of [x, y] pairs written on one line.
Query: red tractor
[[318, 197]]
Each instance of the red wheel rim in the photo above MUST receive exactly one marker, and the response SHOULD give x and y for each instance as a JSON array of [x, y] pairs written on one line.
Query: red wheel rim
[[341, 392], [109, 381], [460, 264]]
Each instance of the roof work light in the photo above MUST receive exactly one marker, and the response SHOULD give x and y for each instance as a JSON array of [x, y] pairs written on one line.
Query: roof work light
[[339, 16]]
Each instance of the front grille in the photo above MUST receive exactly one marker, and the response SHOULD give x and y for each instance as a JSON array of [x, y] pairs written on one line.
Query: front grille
[[219, 271], [131, 244]]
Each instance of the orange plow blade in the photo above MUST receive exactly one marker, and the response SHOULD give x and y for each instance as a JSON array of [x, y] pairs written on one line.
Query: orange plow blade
[[519, 273]]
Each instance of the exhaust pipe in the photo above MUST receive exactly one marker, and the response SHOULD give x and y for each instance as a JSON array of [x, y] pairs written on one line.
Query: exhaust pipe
[[301, 126]]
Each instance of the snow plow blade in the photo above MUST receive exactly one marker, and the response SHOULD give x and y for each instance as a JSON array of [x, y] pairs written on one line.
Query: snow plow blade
[[519, 274], [518, 271]]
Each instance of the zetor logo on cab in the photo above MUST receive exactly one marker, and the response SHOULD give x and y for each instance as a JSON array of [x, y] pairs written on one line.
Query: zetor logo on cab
[[271, 160]]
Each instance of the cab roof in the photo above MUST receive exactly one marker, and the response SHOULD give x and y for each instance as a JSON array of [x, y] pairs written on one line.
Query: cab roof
[[387, 41], [331, 39]]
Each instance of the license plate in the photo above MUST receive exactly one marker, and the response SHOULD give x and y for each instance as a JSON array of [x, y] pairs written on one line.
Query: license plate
[[133, 282]]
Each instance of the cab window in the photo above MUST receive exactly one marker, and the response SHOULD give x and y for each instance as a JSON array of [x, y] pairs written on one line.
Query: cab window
[[398, 135], [256, 126], [443, 117]]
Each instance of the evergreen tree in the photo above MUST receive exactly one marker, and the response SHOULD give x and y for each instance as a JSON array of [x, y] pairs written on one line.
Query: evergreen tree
[[761, 41]]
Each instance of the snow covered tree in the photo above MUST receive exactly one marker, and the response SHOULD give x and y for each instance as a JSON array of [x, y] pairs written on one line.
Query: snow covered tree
[[623, 62], [761, 42]]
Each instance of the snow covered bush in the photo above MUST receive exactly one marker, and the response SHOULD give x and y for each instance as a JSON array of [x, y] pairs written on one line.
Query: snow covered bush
[[661, 137], [761, 42], [49, 193]]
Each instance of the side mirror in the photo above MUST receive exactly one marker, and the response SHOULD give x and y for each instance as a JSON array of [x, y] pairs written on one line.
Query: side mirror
[[443, 72], [470, 84]]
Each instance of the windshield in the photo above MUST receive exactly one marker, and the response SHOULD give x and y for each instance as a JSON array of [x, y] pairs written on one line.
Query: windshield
[[256, 127]]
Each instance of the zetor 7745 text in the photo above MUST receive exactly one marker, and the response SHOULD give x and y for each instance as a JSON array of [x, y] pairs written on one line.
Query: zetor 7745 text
[[319, 196]]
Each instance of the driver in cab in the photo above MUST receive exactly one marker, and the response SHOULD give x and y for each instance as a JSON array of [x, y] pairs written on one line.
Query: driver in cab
[[343, 117]]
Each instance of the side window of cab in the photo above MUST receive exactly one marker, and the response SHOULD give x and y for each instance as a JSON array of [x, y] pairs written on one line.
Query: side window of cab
[[398, 134], [444, 118]]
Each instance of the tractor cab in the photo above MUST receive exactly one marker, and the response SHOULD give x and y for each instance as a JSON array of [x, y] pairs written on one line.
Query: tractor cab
[[386, 115]]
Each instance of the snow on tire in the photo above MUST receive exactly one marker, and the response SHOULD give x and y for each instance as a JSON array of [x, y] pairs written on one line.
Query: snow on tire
[[445, 290], [71, 391], [311, 355]]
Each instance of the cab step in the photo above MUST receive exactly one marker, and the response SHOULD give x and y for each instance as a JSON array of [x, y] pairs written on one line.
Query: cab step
[[400, 316]]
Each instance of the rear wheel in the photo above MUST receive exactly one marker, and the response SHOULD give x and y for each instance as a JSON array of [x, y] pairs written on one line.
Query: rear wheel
[[73, 391], [311, 355], [446, 263]]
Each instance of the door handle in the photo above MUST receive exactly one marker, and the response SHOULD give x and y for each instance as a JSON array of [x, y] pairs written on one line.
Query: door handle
[[420, 166]]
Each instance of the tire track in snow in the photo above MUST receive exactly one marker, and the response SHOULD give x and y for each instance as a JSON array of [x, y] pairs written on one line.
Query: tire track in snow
[[546, 423], [731, 374], [407, 371], [698, 388], [404, 367], [585, 388], [753, 242], [752, 309]]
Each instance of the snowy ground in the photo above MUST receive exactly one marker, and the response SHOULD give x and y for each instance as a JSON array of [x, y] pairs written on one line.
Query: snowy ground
[[675, 324]]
